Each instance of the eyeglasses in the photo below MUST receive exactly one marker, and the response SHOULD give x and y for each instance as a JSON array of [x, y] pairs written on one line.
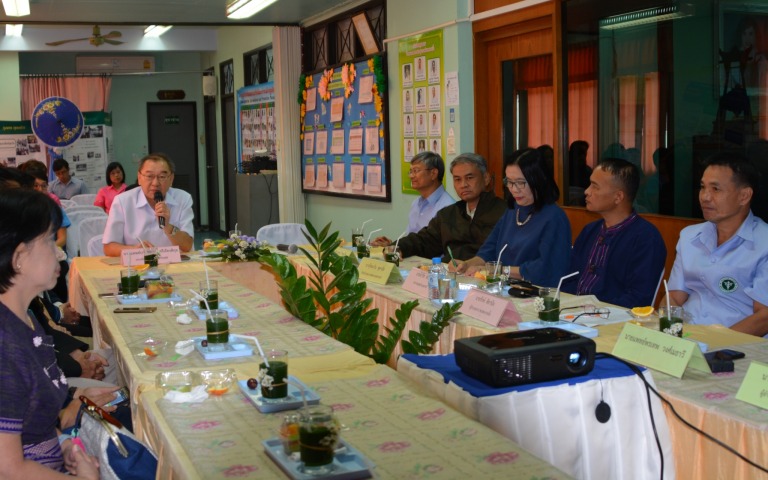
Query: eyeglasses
[[588, 311], [416, 171], [519, 184], [151, 178]]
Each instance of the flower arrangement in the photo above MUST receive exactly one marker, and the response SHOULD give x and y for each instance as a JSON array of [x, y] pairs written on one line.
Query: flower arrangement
[[305, 82], [379, 87], [348, 78], [322, 86], [242, 249]]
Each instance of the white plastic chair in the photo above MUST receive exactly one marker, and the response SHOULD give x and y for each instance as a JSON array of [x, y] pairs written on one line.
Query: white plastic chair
[[95, 247], [65, 204], [89, 228], [83, 208], [285, 233], [73, 232], [84, 199]]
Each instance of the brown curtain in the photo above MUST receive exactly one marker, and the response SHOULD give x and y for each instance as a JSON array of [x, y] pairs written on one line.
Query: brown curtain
[[90, 94]]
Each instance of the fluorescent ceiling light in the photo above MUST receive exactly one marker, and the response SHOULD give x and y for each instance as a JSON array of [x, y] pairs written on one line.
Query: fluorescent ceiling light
[[247, 8], [156, 30], [650, 15], [13, 30], [16, 8]]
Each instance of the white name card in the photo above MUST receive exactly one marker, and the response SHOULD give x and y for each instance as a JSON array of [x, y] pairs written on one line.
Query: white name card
[[490, 309], [135, 256], [416, 282]]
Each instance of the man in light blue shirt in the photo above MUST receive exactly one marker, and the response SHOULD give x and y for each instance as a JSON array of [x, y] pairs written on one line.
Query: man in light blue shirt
[[720, 275], [65, 186], [426, 174]]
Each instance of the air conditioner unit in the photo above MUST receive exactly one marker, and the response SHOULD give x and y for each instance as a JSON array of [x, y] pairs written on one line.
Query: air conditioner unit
[[125, 64]]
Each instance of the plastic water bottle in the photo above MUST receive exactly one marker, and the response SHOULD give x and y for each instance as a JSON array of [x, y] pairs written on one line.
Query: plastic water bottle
[[436, 272]]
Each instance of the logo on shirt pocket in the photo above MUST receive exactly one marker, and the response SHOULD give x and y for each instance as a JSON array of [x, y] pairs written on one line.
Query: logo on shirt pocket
[[728, 285]]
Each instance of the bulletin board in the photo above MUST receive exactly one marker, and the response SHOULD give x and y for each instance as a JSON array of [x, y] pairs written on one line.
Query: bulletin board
[[344, 138]]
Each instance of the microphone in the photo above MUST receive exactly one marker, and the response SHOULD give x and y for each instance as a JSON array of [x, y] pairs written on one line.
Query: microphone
[[160, 220], [287, 248]]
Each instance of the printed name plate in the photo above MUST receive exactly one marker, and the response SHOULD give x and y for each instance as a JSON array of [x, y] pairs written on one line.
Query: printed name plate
[[658, 350], [489, 308], [379, 271], [754, 387], [416, 282]]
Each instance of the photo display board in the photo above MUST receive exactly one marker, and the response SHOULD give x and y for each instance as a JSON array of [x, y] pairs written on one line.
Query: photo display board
[[344, 132], [421, 81], [256, 126]]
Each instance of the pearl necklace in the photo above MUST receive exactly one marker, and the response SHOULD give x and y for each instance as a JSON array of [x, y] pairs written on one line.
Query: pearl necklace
[[517, 218]]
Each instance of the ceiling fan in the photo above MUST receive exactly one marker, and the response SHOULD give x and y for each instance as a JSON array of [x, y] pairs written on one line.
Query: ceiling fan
[[97, 39]]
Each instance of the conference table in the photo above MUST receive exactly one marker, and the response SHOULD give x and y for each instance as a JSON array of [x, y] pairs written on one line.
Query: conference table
[[400, 432], [706, 400]]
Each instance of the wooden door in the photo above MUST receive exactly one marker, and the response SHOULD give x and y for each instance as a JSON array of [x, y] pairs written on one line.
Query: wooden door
[[524, 33]]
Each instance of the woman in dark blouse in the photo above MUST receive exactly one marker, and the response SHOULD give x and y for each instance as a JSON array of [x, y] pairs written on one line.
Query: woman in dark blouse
[[33, 388]]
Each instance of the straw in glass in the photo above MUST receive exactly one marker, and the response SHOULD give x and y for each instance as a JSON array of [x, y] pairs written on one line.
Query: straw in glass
[[498, 261], [371, 234], [560, 283]]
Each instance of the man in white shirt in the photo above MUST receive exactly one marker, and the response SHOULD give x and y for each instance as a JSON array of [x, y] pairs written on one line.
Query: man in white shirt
[[134, 216]]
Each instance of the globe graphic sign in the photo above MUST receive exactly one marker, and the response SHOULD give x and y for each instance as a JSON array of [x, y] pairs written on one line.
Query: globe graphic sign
[[57, 122]]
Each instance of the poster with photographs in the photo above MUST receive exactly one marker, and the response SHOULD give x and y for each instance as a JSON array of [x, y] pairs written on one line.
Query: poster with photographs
[[344, 133], [18, 144], [421, 66], [89, 156], [256, 126]]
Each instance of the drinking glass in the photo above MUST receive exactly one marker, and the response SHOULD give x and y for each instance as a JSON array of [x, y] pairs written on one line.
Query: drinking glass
[[274, 387], [492, 272], [551, 312], [210, 290], [357, 236], [129, 282], [217, 329], [235, 233], [391, 255], [318, 436], [671, 321], [362, 249], [151, 257]]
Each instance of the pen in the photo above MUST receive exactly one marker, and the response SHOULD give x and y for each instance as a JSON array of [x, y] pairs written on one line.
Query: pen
[[453, 260]]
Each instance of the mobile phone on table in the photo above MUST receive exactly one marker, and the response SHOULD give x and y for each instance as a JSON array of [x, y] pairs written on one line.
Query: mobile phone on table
[[120, 397], [726, 354]]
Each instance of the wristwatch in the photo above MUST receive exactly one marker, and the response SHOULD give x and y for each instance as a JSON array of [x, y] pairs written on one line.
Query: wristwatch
[[174, 230]]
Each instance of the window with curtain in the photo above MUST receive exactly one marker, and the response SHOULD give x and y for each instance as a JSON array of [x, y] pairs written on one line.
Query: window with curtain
[[668, 92], [90, 94]]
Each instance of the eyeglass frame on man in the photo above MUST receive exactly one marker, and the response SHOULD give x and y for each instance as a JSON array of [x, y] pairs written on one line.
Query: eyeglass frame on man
[[162, 178], [416, 171]]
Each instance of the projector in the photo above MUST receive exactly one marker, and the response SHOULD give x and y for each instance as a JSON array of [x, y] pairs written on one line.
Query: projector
[[527, 356]]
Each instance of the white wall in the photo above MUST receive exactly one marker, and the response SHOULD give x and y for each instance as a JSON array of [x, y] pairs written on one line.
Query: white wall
[[10, 100], [232, 43]]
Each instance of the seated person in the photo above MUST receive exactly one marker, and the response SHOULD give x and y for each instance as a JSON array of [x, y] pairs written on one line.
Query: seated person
[[37, 169], [65, 186], [115, 186], [534, 232], [621, 257], [426, 174], [34, 388], [720, 275], [134, 215], [466, 224], [63, 315]]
